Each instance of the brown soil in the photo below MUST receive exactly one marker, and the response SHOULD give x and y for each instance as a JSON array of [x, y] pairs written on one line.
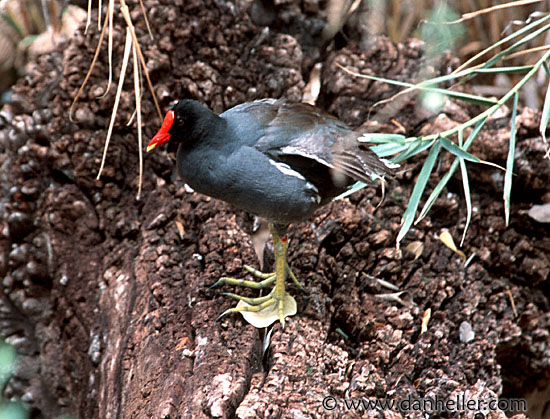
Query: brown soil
[[108, 302]]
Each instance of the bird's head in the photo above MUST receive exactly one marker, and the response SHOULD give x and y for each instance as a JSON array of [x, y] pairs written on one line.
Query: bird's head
[[180, 122]]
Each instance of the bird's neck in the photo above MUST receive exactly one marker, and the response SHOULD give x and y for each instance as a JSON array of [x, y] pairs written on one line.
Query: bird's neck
[[209, 129]]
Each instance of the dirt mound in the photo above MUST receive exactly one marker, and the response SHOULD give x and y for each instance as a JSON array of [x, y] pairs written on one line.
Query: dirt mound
[[106, 297]]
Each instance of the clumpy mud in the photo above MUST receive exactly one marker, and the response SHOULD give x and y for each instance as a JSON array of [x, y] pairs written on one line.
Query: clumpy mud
[[106, 297]]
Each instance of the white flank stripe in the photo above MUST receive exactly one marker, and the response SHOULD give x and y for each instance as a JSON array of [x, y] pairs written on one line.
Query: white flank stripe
[[390, 164], [362, 137], [293, 150], [285, 168]]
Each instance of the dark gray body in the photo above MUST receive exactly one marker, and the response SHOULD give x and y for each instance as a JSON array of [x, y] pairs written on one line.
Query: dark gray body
[[277, 160]]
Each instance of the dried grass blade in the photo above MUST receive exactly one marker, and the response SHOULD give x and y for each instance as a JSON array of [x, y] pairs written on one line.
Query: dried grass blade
[[99, 7], [94, 60], [471, 15], [88, 17], [110, 46], [126, 14], [125, 59], [146, 19], [137, 92]]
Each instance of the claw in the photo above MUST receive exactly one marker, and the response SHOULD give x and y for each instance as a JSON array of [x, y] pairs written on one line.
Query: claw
[[216, 284]]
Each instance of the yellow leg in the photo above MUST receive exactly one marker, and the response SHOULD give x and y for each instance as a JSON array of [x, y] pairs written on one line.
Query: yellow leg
[[280, 249], [278, 304]]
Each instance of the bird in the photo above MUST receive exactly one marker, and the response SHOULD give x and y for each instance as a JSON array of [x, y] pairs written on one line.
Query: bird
[[273, 158]]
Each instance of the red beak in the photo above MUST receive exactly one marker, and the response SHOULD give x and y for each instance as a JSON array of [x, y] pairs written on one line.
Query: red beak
[[163, 135]]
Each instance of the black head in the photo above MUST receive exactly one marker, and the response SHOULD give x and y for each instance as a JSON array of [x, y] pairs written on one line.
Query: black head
[[185, 121]]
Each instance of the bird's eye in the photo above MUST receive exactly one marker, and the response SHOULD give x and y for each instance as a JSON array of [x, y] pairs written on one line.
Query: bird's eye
[[180, 121]]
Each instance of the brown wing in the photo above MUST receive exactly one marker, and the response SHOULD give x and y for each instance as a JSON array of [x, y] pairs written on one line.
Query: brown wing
[[299, 129]]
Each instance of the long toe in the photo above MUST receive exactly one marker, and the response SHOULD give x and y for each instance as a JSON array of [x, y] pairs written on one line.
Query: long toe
[[279, 309], [249, 300]]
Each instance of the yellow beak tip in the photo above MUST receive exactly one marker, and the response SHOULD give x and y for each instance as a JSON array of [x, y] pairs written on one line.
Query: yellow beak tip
[[150, 147]]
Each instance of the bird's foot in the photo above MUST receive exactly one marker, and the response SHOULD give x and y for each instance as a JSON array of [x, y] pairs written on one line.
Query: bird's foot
[[262, 311]]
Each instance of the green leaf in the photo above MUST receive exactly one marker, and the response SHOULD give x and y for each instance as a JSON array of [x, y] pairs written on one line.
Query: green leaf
[[427, 86], [445, 179], [474, 133], [471, 72], [457, 151], [516, 45], [7, 362], [510, 161], [545, 117], [519, 69], [465, 97], [408, 216], [413, 148], [467, 196], [526, 29], [381, 138], [389, 149], [7, 18], [13, 411], [354, 188], [437, 191]]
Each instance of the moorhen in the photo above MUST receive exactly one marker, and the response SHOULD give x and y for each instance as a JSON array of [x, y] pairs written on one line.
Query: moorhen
[[275, 159]]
